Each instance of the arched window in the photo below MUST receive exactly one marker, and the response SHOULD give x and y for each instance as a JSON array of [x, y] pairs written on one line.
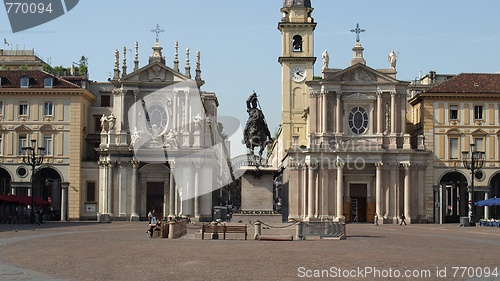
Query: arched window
[[297, 43]]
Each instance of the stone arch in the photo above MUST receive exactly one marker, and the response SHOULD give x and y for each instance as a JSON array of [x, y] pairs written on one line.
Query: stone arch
[[5, 181]]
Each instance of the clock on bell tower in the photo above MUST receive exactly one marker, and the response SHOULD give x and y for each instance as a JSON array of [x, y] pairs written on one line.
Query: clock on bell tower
[[297, 61]]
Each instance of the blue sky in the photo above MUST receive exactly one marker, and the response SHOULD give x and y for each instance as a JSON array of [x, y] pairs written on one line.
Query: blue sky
[[240, 43]]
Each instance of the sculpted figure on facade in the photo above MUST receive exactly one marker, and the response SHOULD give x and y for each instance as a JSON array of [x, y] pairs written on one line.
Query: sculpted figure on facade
[[111, 122], [104, 123], [170, 139], [392, 58], [326, 59]]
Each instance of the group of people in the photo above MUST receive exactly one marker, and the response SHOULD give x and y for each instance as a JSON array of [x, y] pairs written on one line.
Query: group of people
[[153, 222]]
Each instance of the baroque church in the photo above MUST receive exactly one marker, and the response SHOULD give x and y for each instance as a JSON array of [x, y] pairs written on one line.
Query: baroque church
[[156, 141], [344, 147]]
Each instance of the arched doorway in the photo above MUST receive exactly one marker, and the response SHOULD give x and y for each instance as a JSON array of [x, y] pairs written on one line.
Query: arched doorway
[[154, 181], [5, 181], [451, 198], [495, 192], [47, 183]]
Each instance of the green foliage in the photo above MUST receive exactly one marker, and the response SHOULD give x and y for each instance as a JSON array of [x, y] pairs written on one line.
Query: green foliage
[[317, 77], [23, 67]]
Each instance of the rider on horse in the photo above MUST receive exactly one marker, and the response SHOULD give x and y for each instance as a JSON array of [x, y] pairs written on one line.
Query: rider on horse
[[256, 131]]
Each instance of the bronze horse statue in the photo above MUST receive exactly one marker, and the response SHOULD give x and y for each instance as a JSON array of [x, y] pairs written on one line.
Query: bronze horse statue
[[256, 132]]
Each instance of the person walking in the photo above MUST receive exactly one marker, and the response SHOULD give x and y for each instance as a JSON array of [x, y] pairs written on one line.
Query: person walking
[[376, 219], [152, 224], [403, 219]]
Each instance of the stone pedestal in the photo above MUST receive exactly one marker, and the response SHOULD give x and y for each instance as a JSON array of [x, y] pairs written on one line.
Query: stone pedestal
[[257, 196]]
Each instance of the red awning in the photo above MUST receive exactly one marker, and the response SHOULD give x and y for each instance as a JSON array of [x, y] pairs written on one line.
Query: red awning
[[23, 200]]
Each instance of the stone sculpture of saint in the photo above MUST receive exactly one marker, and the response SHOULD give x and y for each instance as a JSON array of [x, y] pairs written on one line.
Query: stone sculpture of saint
[[111, 122], [104, 122], [326, 59], [392, 60]]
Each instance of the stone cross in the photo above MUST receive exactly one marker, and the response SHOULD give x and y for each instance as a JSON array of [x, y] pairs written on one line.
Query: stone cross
[[357, 30], [157, 30]]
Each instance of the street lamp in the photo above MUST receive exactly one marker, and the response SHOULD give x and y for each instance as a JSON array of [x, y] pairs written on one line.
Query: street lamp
[[33, 158], [472, 163]]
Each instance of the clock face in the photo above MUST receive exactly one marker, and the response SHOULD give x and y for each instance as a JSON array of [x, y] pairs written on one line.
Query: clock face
[[298, 74]]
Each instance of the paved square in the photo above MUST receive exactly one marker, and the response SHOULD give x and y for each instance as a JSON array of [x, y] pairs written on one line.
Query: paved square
[[122, 251]]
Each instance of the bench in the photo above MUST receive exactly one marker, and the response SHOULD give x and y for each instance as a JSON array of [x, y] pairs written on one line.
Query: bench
[[209, 228]]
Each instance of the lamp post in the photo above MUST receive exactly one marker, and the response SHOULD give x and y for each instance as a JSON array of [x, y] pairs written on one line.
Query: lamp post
[[472, 163], [33, 158]]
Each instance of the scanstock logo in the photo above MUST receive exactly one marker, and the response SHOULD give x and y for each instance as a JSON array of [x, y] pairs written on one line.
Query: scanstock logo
[[168, 125], [25, 14]]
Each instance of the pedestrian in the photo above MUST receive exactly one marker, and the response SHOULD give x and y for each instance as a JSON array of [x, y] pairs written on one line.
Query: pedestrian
[[150, 215], [403, 219], [152, 224], [376, 219]]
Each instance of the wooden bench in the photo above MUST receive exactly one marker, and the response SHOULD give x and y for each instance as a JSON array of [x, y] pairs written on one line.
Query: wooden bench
[[209, 228]]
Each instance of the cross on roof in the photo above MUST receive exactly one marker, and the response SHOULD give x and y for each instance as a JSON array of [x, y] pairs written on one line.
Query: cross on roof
[[157, 30], [357, 30]]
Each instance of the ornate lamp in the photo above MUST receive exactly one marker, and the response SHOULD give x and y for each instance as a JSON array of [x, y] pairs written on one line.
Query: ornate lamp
[[33, 158], [472, 160]]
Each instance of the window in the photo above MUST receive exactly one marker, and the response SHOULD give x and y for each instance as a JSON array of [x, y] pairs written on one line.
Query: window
[[297, 43], [23, 108], [91, 191], [25, 82], [358, 120], [23, 142], [453, 112], [105, 100], [479, 144], [47, 144], [453, 148], [478, 112], [47, 82], [1, 108], [1, 144], [47, 108]]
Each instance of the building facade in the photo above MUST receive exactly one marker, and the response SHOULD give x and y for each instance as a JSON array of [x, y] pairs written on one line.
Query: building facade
[[38, 106], [451, 116]]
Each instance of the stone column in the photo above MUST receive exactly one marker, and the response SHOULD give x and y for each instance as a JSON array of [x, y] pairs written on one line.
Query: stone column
[[313, 114], [340, 190], [109, 201], [197, 192], [380, 114], [324, 199], [403, 113], [378, 189], [393, 194], [421, 190], [324, 116], [338, 111], [122, 191], [134, 192], [311, 199], [486, 208], [393, 112], [171, 199], [64, 201], [407, 197]]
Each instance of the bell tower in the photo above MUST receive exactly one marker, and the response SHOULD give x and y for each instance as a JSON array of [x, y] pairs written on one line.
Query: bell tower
[[297, 61]]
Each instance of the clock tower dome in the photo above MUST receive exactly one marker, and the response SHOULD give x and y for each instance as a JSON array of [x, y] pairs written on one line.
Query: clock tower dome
[[297, 61]]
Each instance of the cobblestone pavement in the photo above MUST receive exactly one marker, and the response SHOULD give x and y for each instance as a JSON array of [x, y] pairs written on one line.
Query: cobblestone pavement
[[123, 251]]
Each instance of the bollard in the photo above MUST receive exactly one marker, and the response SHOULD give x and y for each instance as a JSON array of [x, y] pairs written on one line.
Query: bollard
[[171, 225], [258, 229]]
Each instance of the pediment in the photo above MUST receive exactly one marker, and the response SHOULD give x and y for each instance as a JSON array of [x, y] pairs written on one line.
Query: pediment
[[358, 96], [360, 73], [479, 132], [22, 128], [155, 72], [454, 131]]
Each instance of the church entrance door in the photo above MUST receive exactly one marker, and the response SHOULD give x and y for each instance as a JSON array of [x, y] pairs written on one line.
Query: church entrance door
[[358, 202], [154, 198]]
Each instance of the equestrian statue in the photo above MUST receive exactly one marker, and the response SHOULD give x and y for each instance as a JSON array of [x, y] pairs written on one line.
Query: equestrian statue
[[256, 131]]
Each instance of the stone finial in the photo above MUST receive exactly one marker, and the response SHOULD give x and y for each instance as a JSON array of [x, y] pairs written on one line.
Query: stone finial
[[176, 57], [198, 63], [117, 65], [136, 61], [124, 66], [188, 67]]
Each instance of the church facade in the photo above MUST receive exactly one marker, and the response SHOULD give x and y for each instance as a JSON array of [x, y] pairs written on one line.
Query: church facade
[[350, 157], [155, 139]]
